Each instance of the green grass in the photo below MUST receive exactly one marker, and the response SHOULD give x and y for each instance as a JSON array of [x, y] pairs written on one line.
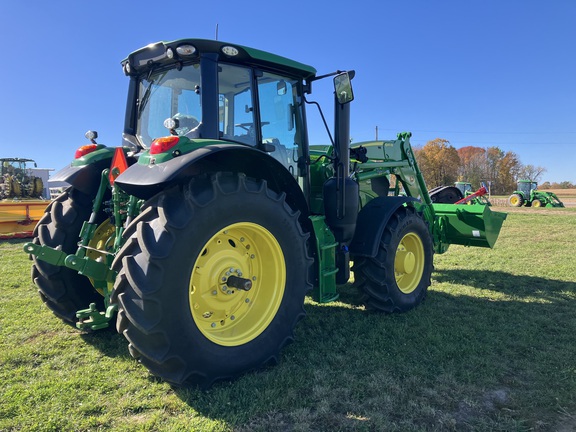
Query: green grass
[[493, 347]]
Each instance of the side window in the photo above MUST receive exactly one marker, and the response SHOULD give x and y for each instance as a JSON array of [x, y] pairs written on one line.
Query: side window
[[236, 111], [278, 101]]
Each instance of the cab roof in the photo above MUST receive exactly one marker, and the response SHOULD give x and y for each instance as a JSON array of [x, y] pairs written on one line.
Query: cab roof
[[185, 50]]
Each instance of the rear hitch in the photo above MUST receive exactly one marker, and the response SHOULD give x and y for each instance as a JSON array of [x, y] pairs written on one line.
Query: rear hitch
[[93, 319]]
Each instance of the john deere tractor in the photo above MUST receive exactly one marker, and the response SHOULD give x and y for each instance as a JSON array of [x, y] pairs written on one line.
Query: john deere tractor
[[202, 234], [527, 194], [467, 191]]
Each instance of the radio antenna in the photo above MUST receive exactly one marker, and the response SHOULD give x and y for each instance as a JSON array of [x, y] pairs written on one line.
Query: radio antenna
[[216, 31]]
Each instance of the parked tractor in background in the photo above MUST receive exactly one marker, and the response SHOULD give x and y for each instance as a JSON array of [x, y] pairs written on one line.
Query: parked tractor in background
[[466, 190], [460, 193], [527, 194], [202, 235]]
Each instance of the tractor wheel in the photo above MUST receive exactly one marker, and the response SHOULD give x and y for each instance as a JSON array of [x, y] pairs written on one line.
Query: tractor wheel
[[536, 203], [212, 279], [397, 278], [516, 200], [37, 187], [62, 289]]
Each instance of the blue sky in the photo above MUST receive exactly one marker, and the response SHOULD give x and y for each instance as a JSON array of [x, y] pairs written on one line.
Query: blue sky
[[475, 72]]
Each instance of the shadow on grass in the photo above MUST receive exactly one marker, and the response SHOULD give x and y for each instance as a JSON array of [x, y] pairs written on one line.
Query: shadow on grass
[[108, 341], [446, 356], [506, 283]]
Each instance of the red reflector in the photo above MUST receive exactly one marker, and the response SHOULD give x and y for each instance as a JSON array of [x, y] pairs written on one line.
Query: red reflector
[[160, 145], [118, 166], [84, 150]]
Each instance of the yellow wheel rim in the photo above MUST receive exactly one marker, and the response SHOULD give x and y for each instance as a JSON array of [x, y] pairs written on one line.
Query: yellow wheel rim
[[103, 240], [536, 203], [231, 316], [409, 263], [514, 200]]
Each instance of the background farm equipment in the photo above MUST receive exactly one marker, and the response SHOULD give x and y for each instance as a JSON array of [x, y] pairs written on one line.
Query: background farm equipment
[[460, 193], [21, 202], [527, 194], [473, 197], [202, 235]]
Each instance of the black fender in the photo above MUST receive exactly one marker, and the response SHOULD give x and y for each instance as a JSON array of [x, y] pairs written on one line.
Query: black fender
[[85, 178], [371, 222], [145, 181]]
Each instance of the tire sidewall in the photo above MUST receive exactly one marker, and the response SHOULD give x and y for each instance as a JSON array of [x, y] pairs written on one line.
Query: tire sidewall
[[186, 340]]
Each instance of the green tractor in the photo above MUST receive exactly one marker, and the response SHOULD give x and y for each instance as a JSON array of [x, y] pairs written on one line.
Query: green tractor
[[201, 236], [466, 190], [527, 194]]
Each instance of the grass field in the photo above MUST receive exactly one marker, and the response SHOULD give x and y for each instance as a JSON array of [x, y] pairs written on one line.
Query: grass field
[[493, 347]]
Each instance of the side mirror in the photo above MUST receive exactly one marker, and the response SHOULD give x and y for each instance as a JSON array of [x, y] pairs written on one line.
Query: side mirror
[[343, 88]]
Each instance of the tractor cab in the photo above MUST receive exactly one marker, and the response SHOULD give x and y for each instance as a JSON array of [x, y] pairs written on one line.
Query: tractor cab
[[526, 187], [200, 91], [464, 187]]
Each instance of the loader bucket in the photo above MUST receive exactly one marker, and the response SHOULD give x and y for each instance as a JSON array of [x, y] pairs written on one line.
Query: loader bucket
[[469, 225]]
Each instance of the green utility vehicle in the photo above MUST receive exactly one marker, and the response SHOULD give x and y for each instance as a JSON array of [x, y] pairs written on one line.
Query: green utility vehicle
[[202, 235], [527, 194]]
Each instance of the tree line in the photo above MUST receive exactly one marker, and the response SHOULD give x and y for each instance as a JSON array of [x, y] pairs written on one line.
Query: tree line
[[442, 164]]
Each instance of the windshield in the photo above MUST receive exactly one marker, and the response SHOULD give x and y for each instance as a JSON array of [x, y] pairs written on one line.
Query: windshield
[[169, 94]]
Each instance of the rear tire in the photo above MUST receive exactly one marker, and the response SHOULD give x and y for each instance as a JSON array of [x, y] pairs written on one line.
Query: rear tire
[[63, 290], [398, 277], [182, 320], [516, 200]]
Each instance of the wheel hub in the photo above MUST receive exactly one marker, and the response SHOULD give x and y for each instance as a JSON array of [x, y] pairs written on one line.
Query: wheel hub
[[406, 261], [237, 284], [409, 263]]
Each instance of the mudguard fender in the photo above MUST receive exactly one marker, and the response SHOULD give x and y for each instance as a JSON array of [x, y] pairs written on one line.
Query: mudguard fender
[[372, 220], [85, 178], [144, 181]]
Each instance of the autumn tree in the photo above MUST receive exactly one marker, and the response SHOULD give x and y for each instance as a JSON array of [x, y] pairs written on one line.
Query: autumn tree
[[439, 162], [473, 166], [509, 168]]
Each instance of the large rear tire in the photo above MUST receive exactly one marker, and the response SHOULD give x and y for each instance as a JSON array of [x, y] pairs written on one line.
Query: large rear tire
[[182, 270], [398, 277], [63, 290], [516, 200]]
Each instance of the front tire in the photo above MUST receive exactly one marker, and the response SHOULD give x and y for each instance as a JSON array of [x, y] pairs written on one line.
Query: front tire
[[398, 277], [536, 203], [180, 305]]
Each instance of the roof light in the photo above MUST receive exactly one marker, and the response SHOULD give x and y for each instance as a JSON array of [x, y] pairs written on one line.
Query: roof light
[[85, 149], [170, 53], [171, 123], [91, 135], [160, 145], [186, 50], [230, 50]]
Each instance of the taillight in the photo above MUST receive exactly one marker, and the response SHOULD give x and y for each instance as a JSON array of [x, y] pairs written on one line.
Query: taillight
[[160, 145], [85, 149]]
